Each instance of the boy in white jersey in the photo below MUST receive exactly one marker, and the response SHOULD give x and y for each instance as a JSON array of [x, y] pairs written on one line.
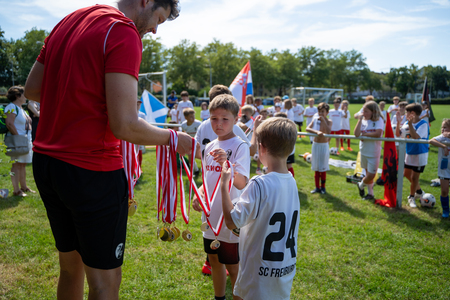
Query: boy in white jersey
[[345, 125], [392, 110], [269, 206], [416, 157], [310, 111], [224, 111], [183, 105], [298, 111], [336, 116], [190, 126]]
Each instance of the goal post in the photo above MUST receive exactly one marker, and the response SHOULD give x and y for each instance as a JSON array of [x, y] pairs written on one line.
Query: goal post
[[319, 94], [154, 81]]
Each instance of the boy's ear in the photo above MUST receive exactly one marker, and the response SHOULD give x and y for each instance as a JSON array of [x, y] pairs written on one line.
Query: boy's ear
[[236, 119]]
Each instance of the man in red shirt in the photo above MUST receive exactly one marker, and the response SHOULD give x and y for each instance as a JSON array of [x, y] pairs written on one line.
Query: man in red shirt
[[86, 81]]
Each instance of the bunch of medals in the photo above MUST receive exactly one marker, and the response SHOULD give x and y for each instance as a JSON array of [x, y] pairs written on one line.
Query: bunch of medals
[[167, 190], [206, 204]]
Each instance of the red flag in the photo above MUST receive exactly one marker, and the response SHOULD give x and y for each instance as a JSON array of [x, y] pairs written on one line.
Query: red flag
[[390, 169], [242, 85]]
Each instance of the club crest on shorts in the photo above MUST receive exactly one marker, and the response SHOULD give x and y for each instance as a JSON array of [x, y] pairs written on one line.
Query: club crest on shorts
[[119, 251]]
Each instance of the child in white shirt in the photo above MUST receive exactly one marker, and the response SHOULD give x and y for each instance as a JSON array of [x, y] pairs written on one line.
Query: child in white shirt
[[182, 105], [336, 116]]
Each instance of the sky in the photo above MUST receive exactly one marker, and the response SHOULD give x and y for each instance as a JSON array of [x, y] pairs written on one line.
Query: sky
[[389, 33]]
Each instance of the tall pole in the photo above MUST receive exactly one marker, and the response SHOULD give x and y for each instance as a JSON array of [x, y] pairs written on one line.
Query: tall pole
[[12, 72]]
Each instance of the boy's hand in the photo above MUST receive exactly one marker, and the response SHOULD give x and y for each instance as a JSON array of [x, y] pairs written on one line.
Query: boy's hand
[[257, 122], [445, 151], [410, 120], [219, 156], [319, 133], [399, 117], [226, 174]]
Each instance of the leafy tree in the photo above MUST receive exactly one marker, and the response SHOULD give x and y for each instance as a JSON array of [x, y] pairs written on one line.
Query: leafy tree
[[314, 67], [5, 65], [370, 80], [415, 73], [354, 64], [438, 78], [152, 55], [289, 73], [263, 71], [391, 78], [404, 80], [336, 67], [184, 65]]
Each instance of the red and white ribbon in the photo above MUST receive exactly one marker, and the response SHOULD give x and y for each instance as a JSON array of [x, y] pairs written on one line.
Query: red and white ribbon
[[130, 165]]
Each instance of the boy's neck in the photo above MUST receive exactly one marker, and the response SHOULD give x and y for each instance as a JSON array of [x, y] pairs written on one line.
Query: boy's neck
[[227, 136], [189, 123], [416, 119], [276, 164]]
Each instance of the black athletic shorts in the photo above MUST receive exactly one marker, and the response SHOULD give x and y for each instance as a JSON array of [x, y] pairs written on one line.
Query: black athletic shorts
[[228, 253], [291, 159], [415, 168], [87, 210], [299, 123]]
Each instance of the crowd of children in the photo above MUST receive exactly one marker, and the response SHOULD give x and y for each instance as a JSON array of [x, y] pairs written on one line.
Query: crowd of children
[[252, 206]]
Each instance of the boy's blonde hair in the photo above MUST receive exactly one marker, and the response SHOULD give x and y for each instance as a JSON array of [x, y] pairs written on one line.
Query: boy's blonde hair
[[323, 105], [402, 104], [287, 104], [375, 109], [278, 136], [217, 90], [204, 104], [345, 102], [311, 99], [370, 98], [396, 98], [226, 102], [277, 98], [263, 111], [280, 115], [294, 100], [382, 102], [188, 111], [247, 109]]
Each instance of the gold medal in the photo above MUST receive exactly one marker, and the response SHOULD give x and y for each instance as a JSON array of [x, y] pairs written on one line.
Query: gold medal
[[204, 226], [187, 235], [236, 231], [164, 234], [176, 231], [215, 244], [132, 207], [171, 235]]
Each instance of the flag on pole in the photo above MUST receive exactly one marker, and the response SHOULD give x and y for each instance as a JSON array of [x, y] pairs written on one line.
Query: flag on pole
[[390, 169], [242, 85], [154, 110], [426, 98]]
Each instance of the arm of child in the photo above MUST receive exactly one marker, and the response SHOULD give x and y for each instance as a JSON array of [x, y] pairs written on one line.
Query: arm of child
[[227, 205], [357, 131], [412, 130], [196, 202], [378, 133], [311, 130], [438, 144]]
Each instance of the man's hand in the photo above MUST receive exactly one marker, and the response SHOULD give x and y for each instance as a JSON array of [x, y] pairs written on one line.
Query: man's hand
[[184, 143], [257, 122]]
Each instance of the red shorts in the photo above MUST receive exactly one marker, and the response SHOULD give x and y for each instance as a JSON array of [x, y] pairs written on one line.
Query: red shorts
[[335, 132], [345, 131]]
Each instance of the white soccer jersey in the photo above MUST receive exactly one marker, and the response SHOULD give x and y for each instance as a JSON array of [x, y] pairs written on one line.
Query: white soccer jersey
[[310, 111], [345, 122], [182, 106], [173, 115], [336, 116], [268, 214], [371, 148], [393, 106], [444, 173], [204, 115], [260, 107], [206, 134], [191, 129], [239, 154], [298, 113]]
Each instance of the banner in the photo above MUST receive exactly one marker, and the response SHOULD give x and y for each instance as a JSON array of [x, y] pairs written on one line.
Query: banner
[[154, 110], [390, 169], [426, 98], [242, 85]]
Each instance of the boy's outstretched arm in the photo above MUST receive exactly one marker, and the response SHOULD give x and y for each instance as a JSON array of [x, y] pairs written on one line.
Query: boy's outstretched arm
[[227, 205]]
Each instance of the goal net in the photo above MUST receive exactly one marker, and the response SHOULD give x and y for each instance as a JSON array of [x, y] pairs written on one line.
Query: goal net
[[319, 94]]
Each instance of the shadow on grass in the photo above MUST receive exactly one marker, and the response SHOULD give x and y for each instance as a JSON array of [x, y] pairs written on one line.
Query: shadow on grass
[[403, 216], [304, 203], [339, 205], [11, 201]]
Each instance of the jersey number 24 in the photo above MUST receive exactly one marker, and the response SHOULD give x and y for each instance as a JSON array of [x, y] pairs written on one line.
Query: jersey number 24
[[277, 236]]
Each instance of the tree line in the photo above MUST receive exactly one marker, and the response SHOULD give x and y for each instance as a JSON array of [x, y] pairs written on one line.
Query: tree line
[[189, 62]]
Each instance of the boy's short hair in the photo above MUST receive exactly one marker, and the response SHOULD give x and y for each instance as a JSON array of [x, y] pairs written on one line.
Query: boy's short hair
[[280, 114], [446, 122], [258, 99], [294, 100], [184, 94], [369, 98], [382, 102], [345, 102], [403, 104], [287, 104], [277, 98], [337, 100], [247, 108], [263, 111], [226, 102], [217, 90], [278, 136], [204, 104], [311, 99], [396, 98], [323, 105], [249, 97], [414, 107], [188, 111]]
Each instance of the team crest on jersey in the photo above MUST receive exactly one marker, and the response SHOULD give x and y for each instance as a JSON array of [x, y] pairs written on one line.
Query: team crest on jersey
[[229, 152]]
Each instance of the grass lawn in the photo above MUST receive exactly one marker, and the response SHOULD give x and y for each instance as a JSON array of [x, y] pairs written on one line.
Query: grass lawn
[[348, 248]]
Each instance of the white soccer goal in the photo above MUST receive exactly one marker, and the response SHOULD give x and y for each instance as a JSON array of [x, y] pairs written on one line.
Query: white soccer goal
[[154, 82], [418, 97], [319, 94]]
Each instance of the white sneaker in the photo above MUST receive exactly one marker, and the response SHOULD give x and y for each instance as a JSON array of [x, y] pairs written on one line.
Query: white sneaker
[[417, 196], [412, 202]]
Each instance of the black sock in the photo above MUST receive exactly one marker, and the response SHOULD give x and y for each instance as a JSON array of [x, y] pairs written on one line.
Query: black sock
[[219, 298], [419, 191], [411, 196]]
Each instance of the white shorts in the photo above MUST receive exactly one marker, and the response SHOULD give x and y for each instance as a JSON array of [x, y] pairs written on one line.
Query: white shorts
[[370, 163], [320, 156]]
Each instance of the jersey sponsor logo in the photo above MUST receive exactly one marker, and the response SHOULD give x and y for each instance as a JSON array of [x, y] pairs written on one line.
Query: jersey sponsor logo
[[276, 272], [119, 251], [213, 168]]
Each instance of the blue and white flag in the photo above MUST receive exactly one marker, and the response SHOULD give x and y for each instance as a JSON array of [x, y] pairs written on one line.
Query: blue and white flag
[[242, 85], [154, 110]]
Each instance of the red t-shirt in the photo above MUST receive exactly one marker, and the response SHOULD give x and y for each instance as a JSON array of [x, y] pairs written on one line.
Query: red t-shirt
[[73, 125]]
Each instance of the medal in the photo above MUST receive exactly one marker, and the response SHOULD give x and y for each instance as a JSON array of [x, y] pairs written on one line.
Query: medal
[[132, 207], [215, 244], [204, 227], [187, 235], [164, 234], [171, 235], [176, 231]]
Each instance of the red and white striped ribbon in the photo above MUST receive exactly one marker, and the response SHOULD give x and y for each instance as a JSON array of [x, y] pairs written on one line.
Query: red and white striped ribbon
[[131, 165]]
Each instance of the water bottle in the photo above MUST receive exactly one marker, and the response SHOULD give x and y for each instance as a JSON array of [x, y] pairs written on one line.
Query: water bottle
[[444, 163]]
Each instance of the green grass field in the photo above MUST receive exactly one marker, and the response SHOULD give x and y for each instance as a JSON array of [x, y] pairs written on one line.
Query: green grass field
[[348, 248]]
